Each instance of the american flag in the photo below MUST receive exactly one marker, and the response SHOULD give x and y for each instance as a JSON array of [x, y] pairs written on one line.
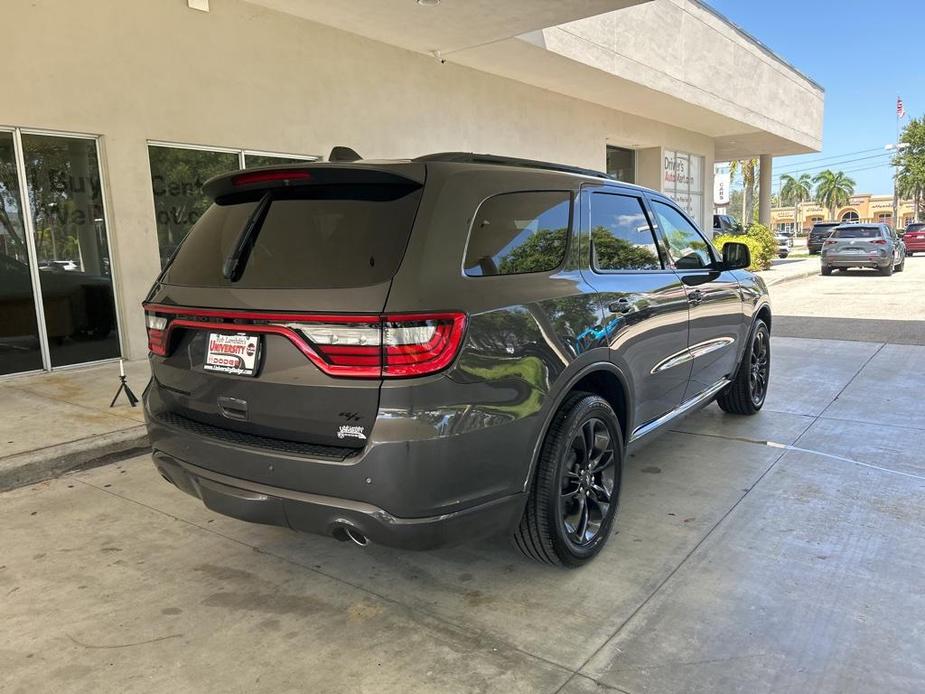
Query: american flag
[[900, 109]]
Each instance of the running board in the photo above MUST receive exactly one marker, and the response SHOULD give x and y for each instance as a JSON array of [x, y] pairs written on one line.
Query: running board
[[683, 408]]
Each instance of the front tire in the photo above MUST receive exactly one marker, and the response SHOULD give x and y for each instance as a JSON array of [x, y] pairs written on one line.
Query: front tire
[[748, 390], [826, 270], [902, 265], [575, 491]]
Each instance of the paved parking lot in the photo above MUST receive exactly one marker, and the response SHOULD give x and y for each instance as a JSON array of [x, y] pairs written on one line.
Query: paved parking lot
[[739, 565], [855, 305]]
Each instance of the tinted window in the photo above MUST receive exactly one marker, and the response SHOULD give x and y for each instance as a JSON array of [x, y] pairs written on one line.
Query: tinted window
[[621, 235], [324, 236], [515, 233], [915, 227], [857, 233], [688, 248]]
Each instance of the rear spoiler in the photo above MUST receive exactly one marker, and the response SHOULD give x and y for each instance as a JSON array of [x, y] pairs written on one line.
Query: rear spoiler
[[315, 173]]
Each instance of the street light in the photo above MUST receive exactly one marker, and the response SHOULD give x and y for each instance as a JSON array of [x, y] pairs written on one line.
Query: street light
[[890, 147]]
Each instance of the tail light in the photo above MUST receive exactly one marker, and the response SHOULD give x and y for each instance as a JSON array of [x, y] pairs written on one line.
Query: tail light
[[879, 242], [830, 241], [381, 346], [157, 333]]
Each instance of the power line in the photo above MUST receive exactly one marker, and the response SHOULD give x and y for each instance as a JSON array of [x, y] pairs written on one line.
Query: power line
[[834, 165], [827, 158]]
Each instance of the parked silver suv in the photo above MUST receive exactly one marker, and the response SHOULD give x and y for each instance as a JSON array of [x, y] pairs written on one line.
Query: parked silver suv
[[863, 245]]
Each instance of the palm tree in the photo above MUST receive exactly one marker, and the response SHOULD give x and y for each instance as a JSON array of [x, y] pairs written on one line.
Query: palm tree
[[795, 191], [833, 188], [749, 169]]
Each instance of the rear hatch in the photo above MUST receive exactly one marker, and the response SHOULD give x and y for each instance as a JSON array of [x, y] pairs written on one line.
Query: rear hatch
[[267, 320], [857, 241], [821, 232], [915, 233]]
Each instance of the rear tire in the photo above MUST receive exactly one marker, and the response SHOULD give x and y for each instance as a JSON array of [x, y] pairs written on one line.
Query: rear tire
[[748, 390], [576, 487], [887, 271], [826, 270]]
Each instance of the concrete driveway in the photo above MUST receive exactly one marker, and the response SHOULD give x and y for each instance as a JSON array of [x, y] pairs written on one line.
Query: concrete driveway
[[783, 552]]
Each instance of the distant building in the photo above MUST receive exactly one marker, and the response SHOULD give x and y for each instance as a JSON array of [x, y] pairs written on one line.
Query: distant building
[[860, 208]]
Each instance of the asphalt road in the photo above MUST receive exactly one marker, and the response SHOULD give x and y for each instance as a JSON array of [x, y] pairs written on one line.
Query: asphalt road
[[858, 305]]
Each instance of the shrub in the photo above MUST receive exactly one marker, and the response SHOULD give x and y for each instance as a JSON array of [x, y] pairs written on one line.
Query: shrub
[[754, 248], [768, 243]]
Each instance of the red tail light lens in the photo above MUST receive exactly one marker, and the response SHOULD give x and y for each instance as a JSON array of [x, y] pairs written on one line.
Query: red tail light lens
[[157, 333], [879, 242], [415, 345], [246, 179], [385, 346]]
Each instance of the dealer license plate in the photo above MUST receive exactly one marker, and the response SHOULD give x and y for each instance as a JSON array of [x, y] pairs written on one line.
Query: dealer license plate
[[234, 354]]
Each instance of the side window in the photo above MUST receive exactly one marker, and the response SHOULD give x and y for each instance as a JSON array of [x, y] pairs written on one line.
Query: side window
[[621, 235], [515, 233], [689, 249]]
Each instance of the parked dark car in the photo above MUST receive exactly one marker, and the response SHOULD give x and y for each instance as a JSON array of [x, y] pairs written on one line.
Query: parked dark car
[[863, 246], [914, 238], [727, 224], [818, 234], [430, 351]]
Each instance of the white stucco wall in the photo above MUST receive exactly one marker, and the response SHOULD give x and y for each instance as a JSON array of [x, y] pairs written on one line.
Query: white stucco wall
[[243, 76]]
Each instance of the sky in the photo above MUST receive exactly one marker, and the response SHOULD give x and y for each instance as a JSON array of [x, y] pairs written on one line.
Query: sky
[[864, 54]]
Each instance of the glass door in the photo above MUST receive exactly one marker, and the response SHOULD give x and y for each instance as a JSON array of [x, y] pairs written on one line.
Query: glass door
[[20, 345], [57, 306]]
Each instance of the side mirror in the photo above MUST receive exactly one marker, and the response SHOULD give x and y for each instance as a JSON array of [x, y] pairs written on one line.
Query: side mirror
[[736, 256]]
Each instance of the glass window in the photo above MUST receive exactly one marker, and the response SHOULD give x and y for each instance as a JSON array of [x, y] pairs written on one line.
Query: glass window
[[177, 175], [19, 335], [63, 182], [682, 181], [515, 233], [857, 232], [621, 236], [252, 161], [336, 236], [621, 164], [689, 249]]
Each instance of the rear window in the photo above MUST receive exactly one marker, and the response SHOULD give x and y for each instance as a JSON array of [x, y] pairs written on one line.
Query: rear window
[[315, 237], [515, 233], [823, 227], [857, 233], [919, 226]]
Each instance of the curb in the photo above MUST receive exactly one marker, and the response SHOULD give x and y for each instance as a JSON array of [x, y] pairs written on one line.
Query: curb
[[790, 278], [46, 463]]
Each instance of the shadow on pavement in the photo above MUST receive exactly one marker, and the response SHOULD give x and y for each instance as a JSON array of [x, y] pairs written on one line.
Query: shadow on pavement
[[900, 332]]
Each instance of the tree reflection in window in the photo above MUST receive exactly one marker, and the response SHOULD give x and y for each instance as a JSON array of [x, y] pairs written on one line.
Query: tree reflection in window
[[515, 233], [688, 247], [621, 235]]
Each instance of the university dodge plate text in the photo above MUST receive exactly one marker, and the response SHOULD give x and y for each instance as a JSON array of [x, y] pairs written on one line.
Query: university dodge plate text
[[234, 354]]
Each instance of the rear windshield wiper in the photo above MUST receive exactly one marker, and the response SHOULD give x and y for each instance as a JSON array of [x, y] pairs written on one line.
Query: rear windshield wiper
[[235, 262]]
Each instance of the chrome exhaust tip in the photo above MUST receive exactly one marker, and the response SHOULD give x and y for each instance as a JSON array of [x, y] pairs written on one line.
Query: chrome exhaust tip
[[344, 533], [356, 537]]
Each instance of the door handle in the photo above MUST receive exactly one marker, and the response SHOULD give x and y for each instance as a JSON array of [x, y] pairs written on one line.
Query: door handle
[[695, 297], [622, 305]]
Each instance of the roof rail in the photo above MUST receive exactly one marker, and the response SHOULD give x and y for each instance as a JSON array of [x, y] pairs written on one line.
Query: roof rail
[[473, 158]]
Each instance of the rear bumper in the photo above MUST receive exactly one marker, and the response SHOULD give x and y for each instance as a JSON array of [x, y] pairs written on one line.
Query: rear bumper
[[856, 261], [258, 503]]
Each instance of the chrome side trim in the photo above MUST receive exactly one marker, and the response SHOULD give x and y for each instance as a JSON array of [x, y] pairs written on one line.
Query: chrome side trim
[[708, 346], [699, 399], [676, 359], [690, 353]]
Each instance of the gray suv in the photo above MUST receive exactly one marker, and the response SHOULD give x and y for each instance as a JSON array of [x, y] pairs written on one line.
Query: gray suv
[[863, 245], [430, 351]]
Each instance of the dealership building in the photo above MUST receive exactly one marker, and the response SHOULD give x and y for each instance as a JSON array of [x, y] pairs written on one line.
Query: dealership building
[[113, 114]]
